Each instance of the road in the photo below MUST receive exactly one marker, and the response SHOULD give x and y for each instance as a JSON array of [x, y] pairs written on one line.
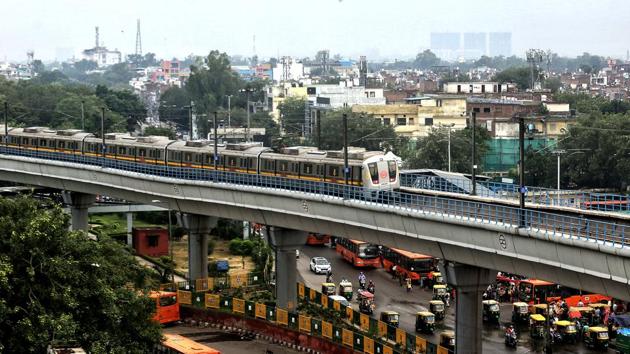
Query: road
[[389, 295]]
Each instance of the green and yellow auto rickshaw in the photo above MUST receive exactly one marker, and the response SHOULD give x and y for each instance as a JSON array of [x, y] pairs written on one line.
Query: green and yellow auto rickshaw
[[328, 288], [434, 278], [520, 312], [491, 310], [440, 292], [447, 340], [345, 289], [586, 314], [596, 338], [567, 331], [425, 322], [536, 325], [437, 308], [540, 309], [392, 318]]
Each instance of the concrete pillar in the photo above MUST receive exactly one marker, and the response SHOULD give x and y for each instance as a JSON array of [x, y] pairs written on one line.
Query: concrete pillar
[[79, 204], [285, 242], [130, 229], [470, 282], [198, 227]]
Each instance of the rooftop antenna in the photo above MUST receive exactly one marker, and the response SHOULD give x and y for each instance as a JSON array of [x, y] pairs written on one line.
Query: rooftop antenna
[[534, 56], [254, 56], [96, 39], [138, 40]]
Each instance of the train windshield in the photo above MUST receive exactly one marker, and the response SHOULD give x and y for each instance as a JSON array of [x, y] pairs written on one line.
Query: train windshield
[[392, 170], [373, 172], [368, 251]]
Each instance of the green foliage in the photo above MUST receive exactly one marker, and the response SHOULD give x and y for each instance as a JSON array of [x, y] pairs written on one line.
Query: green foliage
[[521, 76], [227, 229], [161, 131], [240, 247], [426, 60], [172, 108], [292, 114], [210, 83], [60, 285], [553, 83], [432, 151]]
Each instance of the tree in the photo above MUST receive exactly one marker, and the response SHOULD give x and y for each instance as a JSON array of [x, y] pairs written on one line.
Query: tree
[[432, 150], [173, 103], [292, 114], [521, 76], [426, 60], [210, 83], [161, 131], [60, 285]]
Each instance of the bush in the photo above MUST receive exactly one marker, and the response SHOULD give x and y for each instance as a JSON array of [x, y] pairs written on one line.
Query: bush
[[239, 247], [211, 245], [235, 246], [228, 229]]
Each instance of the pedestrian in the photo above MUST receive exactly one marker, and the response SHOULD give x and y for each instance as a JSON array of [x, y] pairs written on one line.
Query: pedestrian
[[394, 272], [408, 281]]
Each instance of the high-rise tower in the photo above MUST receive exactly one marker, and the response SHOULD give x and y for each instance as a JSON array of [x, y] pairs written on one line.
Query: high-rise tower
[[138, 40]]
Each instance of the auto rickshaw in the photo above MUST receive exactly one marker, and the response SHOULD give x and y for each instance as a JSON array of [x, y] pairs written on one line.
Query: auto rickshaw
[[491, 311], [447, 340], [440, 293], [366, 302], [345, 289], [520, 312], [540, 309], [437, 307], [586, 314], [596, 338], [602, 309], [425, 322], [536, 325], [435, 278], [390, 317], [328, 288], [567, 331]]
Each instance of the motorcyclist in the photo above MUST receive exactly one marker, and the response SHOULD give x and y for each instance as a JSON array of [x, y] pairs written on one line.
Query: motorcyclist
[[362, 280], [329, 276], [370, 287], [510, 335]]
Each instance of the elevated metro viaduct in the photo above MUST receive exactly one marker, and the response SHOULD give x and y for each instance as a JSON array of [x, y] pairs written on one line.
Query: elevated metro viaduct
[[478, 246]]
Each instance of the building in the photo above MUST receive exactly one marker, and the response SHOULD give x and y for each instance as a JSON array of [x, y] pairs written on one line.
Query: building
[[445, 45], [150, 241], [476, 88], [474, 45], [499, 43], [343, 95], [419, 115], [287, 69]]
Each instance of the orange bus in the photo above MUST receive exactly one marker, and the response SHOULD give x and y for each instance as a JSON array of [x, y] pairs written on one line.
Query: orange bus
[[359, 253], [166, 306], [314, 239], [408, 264], [534, 291], [176, 344]]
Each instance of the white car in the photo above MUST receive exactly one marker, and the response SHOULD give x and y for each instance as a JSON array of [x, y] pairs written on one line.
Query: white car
[[340, 299], [319, 265]]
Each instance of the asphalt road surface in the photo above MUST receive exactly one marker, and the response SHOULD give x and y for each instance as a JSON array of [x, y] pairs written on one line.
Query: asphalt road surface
[[389, 295]]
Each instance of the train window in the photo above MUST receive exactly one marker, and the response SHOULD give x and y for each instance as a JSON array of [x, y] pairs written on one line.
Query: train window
[[307, 168], [333, 171], [295, 167], [188, 157], [318, 170], [122, 150], [373, 172], [284, 166], [132, 151], [356, 173], [142, 152], [392, 170], [61, 144], [231, 161], [24, 141], [266, 165], [243, 162], [42, 142]]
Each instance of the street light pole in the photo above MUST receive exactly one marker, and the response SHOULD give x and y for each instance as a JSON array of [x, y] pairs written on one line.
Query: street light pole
[[474, 154], [345, 148], [6, 123], [82, 115], [103, 130], [558, 172], [248, 122], [214, 124], [521, 168], [449, 149], [229, 110]]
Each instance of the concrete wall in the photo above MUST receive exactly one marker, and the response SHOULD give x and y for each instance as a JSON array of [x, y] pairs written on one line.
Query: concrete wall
[[576, 263]]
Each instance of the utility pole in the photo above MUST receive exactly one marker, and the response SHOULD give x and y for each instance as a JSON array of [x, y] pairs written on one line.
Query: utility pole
[[319, 129], [474, 154], [6, 123], [103, 130], [521, 169], [345, 148], [449, 149], [214, 125], [248, 122], [229, 110], [190, 121], [82, 115]]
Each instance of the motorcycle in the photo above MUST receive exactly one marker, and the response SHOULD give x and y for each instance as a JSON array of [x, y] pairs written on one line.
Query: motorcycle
[[511, 340], [371, 289]]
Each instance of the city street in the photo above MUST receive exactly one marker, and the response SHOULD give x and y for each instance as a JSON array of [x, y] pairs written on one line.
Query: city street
[[389, 295]]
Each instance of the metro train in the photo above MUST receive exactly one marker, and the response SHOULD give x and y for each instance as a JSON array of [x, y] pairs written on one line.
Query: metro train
[[372, 170]]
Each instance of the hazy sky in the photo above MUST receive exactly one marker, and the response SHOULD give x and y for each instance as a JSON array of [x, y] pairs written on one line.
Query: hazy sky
[[376, 28]]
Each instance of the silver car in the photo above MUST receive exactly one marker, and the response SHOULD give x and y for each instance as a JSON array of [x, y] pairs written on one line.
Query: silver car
[[320, 265]]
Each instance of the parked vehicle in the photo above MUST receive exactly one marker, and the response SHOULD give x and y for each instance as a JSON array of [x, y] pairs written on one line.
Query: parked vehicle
[[447, 340], [437, 307], [392, 318], [425, 322]]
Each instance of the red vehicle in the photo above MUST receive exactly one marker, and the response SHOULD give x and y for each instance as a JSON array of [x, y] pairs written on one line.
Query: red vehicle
[[408, 264], [544, 291], [166, 306], [359, 253], [314, 239]]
